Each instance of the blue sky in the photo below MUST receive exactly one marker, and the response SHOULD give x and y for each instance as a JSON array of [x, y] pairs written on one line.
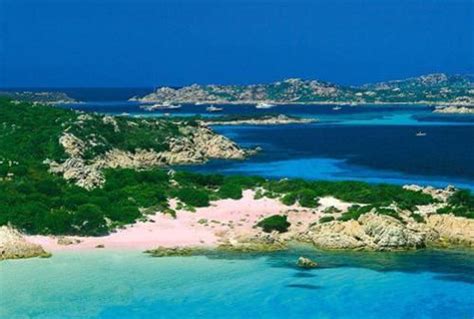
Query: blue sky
[[105, 43]]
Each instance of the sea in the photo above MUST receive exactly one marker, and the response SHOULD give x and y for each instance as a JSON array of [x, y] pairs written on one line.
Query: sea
[[375, 143]]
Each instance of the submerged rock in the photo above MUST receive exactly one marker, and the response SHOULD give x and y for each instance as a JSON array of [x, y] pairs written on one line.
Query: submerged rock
[[173, 251], [304, 262], [14, 246]]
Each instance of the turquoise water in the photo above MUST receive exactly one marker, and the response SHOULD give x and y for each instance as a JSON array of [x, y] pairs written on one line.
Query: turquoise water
[[107, 284], [373, 144]]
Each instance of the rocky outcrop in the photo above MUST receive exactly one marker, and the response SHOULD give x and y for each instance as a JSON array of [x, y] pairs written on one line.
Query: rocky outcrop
[[260, 242], [173, 251], [379, 232], [451, 230], [67, 241], [306, 263], [14, 246], [455, 110], [441, 194], [266, 120], [195, 145]]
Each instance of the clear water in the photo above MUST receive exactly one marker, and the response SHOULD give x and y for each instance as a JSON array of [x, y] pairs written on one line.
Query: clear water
[[107, 284], [374, 144]]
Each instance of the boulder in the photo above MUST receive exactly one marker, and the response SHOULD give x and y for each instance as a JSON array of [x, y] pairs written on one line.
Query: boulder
[[13, 245], [304, 262]]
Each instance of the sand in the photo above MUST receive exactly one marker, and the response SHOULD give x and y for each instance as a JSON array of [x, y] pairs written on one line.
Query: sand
[[205, 227]]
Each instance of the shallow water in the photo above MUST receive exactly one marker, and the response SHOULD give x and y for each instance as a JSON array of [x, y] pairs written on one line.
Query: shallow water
[[108, 284]]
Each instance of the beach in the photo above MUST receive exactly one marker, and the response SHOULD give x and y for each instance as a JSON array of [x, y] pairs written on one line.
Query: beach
[[207, 227]]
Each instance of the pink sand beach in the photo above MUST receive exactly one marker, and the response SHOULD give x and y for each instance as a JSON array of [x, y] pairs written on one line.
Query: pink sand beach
[[205, 227]]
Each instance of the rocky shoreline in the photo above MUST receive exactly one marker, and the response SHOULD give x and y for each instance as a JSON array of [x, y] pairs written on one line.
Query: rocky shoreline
[[196, 145], [13, 245], [453, 109], [231, 226], [264, 120], [427, 89]]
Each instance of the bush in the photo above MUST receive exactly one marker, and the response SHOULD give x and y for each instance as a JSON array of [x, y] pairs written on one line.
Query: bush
[[193, 197], [308, 198], [89, 220], [326, 219], [275, 222], [289, 199], [233, 191]]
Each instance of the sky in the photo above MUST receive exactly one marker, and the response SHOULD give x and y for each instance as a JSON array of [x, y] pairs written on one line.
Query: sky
[[144, 43]]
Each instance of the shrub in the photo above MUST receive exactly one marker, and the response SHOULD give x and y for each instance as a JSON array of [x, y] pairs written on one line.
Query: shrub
[[233, 191], [326, 219], [275, 222], [193, 197], [308, 198], [418, 218], [89, 220]]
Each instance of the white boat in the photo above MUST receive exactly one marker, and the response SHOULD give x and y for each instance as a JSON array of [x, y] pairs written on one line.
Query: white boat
[[420, 133], [264, 105], [337, 108], [212, 108], [162, 106]]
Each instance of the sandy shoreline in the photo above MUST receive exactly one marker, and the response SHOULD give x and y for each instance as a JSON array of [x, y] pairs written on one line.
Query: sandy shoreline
[[206, 227]]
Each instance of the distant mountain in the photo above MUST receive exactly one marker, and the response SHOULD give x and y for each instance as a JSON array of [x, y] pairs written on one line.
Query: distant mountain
[[433, 88]]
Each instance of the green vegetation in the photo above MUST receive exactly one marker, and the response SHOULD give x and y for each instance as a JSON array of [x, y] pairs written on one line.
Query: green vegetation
[[277, 223], [461, 203], [38, 202], [326, 219]]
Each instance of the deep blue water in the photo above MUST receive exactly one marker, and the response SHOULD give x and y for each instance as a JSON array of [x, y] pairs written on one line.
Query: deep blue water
[[370, 143], [109, 284]]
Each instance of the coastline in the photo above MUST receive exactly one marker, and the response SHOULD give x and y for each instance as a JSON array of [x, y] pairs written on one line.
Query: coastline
[[207, 227], [230, 225]]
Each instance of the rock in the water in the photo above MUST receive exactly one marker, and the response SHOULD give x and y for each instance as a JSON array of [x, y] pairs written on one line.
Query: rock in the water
[[304, 262], [14, 246], [172, 251]]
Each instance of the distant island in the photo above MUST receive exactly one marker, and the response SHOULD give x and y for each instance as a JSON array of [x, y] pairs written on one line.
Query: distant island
[[438, 89], [43, 97]]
